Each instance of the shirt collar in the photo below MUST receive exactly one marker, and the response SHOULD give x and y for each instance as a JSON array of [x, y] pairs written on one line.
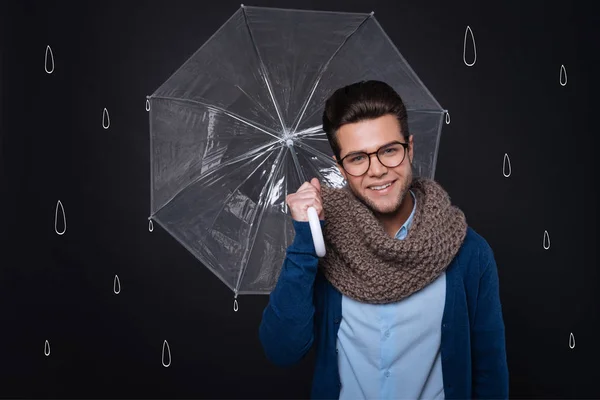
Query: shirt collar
[[406, 226]]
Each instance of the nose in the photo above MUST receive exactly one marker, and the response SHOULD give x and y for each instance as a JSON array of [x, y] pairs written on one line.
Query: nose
[[376, 168]]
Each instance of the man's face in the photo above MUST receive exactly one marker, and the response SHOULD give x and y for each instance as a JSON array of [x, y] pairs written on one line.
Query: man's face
[[368, 136]]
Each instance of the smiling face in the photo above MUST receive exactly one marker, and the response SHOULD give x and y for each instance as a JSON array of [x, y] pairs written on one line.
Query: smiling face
[[368, 136]]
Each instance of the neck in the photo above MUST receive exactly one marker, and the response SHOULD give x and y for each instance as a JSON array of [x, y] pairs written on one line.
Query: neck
[[393, 222]]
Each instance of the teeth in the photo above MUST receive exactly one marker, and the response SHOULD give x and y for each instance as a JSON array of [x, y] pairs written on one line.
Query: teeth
[[380, 187]]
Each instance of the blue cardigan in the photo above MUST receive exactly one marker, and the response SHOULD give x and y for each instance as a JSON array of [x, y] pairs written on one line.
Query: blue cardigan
[[304, 309]]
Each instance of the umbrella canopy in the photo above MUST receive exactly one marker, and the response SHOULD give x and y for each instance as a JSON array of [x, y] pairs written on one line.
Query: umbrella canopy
[[238, 127]]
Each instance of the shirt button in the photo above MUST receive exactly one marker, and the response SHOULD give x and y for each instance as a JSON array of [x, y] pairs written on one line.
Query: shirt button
[[337, 320], [387, 374], [337, 351], [387, 334]]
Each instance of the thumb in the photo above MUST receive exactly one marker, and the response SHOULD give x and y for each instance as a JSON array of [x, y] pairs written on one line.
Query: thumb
[[315, 182]]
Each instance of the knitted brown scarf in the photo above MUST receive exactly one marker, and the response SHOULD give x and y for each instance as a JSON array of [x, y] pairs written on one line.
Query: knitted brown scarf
[[363, 262]]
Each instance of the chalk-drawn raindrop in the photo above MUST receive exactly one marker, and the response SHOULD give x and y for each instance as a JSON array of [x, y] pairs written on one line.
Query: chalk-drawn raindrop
[[563, 75], [166, 355], [46, 348], [235, 305], [105, 119], [147, 105], [546, 240], [506, 169], [150, 226], [60, 213], [117, 285], [49, 58], [469, 32], [572, 341], [447, 117]]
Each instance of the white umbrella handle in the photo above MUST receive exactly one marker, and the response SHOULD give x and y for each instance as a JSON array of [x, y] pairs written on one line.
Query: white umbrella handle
[[315, 229]]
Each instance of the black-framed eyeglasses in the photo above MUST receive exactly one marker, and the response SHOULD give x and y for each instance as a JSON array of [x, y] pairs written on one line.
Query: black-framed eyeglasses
[[358, 163]]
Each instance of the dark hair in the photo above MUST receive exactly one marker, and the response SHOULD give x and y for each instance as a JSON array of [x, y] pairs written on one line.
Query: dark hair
[[361, 101]]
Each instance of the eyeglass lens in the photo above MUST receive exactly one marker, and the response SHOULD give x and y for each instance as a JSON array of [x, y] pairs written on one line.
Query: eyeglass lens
[[391, 156]]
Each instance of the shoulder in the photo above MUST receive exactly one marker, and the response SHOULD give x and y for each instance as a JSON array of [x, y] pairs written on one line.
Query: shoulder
[[476, 254]]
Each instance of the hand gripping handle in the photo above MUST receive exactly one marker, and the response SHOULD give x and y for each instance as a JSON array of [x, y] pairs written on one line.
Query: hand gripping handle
[[315, 229]]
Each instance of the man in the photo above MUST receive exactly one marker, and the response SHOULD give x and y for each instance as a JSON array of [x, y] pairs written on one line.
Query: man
[[405, 304]]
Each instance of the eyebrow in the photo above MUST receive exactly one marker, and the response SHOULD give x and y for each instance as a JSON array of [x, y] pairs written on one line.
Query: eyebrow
[[365, 151]]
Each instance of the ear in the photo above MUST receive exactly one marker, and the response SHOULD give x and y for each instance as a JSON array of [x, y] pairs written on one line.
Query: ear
[[410, 148]]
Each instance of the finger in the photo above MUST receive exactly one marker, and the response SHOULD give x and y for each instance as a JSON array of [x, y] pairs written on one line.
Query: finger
[[312, 203], [305, 185], [310, 190], [304, 203], [315, 182], [305, 195]]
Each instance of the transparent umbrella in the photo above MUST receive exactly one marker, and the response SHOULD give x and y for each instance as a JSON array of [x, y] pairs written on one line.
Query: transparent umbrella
[[238, 127]]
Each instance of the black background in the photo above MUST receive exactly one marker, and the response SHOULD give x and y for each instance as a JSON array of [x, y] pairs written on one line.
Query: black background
[[113, 54]]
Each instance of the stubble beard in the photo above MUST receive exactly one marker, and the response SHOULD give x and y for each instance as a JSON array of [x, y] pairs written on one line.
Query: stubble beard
[[387, 212]]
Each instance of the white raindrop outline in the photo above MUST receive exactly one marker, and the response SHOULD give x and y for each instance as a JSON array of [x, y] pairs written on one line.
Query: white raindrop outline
[[46, 348], [506, 162], [465, 47], [117, 284], [163, 354], [59, 203], [447, 117], [46, 60], [562, 70], [235, 305], [147, 105], [545, 240], [105, 115], [572, 340], [150, 225]]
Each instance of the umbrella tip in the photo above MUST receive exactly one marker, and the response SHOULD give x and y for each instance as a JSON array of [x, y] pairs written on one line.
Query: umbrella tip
[[372, 12], [242, 5]]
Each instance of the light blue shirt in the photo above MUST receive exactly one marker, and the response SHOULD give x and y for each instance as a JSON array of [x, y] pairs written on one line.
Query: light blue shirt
[[392, 351]]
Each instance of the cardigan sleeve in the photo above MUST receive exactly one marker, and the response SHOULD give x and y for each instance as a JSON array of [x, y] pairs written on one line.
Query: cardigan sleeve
[[287, 329], [490, 369]]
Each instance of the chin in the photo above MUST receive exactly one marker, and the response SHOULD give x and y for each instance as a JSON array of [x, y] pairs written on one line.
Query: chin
[[389, 204], [385, 205]]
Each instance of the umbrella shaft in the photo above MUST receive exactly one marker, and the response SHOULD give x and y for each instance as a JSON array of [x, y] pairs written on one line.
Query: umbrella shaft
[[296, 163]]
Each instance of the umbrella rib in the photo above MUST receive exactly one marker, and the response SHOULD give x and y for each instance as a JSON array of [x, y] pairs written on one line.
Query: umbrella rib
[[322, 71], [235, 190], [263, 70], [312, 135], [268, 188], [412, 73], [316, 152], [258, 103], [311, 130], [219, 167], [222, 110]]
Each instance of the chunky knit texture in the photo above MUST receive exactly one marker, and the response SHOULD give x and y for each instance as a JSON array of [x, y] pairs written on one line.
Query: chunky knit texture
[[363, 262]]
